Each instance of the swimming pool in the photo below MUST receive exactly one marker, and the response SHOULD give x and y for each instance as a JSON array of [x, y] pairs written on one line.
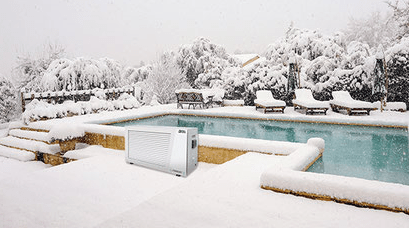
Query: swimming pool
[[366, 152]]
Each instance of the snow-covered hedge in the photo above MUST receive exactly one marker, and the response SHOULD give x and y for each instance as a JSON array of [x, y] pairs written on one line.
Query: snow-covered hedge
[[37, 110]]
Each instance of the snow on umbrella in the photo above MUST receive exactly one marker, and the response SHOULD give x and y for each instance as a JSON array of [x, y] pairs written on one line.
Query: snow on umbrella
[[379, 88]]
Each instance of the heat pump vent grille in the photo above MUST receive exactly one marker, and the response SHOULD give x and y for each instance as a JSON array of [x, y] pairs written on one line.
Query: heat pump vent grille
[[143, 142]]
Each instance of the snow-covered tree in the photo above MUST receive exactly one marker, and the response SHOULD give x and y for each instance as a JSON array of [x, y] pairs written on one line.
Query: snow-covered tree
[[29, 70], [202, 62], [8, 100], [80, 74], [397, 58], [307, 44], [374, 30], [401, 16], [165, 78]]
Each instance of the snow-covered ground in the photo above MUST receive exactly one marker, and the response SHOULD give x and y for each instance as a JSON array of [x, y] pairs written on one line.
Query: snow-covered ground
[[101, 190], [104, 191]]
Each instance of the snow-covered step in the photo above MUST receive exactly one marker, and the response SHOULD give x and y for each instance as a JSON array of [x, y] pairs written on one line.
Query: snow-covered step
[[21, 155], [30, 145], [36, 135]]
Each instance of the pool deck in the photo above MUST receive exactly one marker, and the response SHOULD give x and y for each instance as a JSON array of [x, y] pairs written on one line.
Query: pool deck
[[104, 191], [101, 190]]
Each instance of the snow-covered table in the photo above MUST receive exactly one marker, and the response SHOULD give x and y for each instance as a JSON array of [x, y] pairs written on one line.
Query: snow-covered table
[[202, 98]]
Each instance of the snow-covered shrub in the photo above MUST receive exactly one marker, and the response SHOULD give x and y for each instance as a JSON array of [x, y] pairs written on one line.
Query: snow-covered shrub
[[135, 75], [129, 101], [100, 94], [154, 101], [126, 101], [38, 110], [235, 82]]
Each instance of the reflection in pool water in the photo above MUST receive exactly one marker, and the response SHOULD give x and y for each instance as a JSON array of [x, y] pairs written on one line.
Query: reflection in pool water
[[366, 152]]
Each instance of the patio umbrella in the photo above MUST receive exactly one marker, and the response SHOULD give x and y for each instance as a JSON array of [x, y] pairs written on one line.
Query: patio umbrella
[[380, 82], [292, 82]]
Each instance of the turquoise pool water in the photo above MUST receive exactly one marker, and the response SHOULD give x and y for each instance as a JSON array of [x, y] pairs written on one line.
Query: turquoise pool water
[[366, 152]]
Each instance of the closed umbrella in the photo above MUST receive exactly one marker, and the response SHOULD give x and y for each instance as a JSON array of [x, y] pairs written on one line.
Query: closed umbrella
[[292, 82], [380, 81]]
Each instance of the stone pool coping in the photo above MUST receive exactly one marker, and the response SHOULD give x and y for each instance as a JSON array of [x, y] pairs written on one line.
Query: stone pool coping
[[376, 119]]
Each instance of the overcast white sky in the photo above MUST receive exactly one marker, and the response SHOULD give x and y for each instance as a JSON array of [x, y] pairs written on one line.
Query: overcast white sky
[[131, 31]]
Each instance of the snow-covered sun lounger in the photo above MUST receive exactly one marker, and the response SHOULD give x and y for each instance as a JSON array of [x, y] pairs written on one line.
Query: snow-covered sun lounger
[[343, 101], [305, 100], [266, 101]]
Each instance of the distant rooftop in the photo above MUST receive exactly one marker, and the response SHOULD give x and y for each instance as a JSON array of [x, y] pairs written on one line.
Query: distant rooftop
[[248, 60]]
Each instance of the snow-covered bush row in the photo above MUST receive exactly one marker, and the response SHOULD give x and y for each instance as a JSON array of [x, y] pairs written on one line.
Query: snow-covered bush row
[[37, 110]]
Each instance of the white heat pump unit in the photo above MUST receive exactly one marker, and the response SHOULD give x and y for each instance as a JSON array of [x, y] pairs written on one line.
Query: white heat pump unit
[[168, 149]]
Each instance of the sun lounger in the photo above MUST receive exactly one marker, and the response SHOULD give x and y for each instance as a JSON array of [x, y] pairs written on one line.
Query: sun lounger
[[343, 101], [266, 101], [305, 100]]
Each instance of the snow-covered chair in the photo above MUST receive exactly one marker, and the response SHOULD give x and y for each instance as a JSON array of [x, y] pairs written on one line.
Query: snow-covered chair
[[266, 101], [343, 101], [305, 100]]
